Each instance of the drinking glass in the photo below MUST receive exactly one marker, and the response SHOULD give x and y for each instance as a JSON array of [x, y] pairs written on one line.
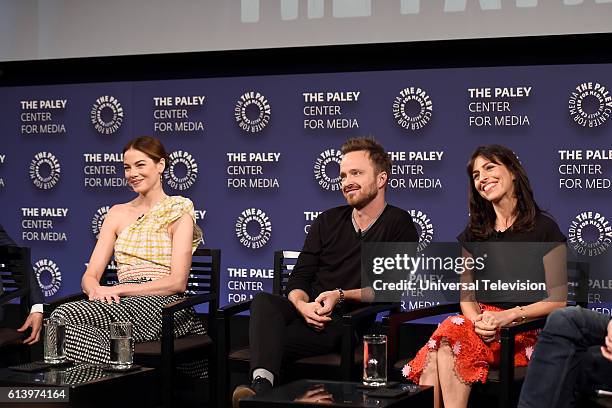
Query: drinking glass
[[54, 340], [121, 345], [375, 360]]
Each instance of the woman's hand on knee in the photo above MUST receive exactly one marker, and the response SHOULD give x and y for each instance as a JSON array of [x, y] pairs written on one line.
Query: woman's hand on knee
[[106, 294]]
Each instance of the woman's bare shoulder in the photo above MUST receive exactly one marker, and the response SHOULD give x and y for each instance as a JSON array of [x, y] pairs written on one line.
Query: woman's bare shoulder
[[120, 211]]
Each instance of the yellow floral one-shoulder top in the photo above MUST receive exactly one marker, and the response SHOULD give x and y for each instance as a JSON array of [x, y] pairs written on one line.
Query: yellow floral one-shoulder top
[[143, 250]]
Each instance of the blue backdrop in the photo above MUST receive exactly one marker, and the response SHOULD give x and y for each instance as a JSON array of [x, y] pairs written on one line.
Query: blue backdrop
[[258, 156]]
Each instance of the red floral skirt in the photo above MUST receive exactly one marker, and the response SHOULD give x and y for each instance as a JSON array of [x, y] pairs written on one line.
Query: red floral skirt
[[473, 357]]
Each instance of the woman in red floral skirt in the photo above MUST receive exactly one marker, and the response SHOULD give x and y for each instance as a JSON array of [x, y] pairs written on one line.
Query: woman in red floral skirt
[[502, 210]]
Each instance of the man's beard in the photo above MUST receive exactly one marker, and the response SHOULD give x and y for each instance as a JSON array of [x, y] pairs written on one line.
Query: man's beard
[[363, 200]]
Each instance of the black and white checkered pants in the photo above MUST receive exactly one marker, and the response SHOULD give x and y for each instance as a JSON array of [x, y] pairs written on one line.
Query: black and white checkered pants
[[87, 324]]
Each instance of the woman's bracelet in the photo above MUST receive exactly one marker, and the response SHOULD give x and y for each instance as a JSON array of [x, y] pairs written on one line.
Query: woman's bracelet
[[522, 317]]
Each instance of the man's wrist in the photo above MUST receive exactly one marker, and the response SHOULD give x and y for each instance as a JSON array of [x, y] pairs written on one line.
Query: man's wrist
[[340, 297], [298, 304]]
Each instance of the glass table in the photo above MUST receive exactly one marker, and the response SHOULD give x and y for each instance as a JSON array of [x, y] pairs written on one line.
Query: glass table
[[313, 393], [87, 385]]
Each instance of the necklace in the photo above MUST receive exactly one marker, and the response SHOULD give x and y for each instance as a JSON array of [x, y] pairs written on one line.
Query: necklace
[[503, 227]]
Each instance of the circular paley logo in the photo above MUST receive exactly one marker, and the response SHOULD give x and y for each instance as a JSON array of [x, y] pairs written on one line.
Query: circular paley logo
[[590, 233], [106, 114], [189, 173], [98, 219], [425, 228], [45, 170], [48, 276], [590, 104], [321, 172], [412, 108], [253, 228], [252, 112]]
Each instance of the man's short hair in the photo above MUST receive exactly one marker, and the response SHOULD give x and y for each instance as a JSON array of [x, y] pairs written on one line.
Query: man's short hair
[[380, 158]]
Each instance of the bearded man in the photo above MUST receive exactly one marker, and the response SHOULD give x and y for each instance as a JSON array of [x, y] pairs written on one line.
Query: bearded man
[[327, 276]]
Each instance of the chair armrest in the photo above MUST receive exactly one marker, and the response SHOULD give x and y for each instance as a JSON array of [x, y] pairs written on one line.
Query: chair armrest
[[223, 340], [507, 336], [360, 314], [186, 302], [349, 322], [167, 335], [521, 327], [394, 320], [7, 297], [222, 325], [233, 309]]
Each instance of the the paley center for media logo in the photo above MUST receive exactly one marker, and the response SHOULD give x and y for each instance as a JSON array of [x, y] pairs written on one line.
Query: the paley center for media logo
[[412, 108], [98, 219], [425, 227], [590, 233], [48, 275], [590, 104], [189, 173], [252, 112], [253, 228], [45, 170], [327, 169], [106, 114]]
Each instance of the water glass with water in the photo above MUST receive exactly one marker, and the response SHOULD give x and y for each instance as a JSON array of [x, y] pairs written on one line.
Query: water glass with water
[[54, 340], [121, 345], [375, 360], [56, 377]]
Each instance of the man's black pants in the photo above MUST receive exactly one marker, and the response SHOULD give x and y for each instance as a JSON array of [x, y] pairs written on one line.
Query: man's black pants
[[278, 334]]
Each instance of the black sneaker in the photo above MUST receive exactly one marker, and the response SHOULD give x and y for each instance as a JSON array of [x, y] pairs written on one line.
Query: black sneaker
[[258, 386]]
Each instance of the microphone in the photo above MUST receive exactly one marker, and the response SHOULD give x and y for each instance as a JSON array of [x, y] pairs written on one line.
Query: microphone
[[141, 216], [359, 233], [499, 234]]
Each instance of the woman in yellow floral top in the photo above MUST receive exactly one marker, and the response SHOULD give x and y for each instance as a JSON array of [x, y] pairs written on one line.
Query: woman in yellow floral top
[[153, 238]]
